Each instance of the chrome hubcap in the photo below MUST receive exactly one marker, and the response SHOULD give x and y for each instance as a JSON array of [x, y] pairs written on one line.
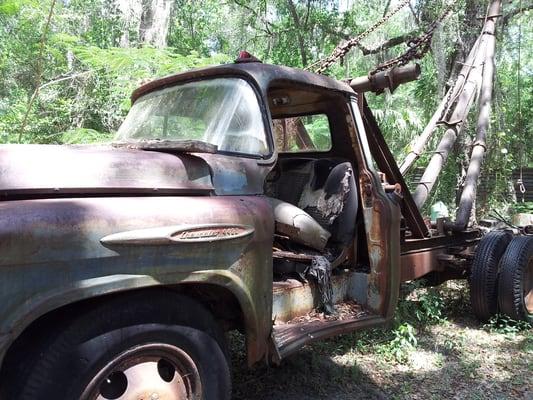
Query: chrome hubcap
[[148, 372]]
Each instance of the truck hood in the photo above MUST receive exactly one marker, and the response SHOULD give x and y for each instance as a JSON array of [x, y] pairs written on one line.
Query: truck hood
[[56, 170]]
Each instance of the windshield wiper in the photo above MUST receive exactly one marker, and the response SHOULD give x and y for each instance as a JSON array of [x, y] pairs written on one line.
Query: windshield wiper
[[189, 146]]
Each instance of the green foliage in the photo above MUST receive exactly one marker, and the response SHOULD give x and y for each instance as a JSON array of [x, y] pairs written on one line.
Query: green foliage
[[318, 129], [419, 307], [84, 135], [9, 7], [96, 53], [525, 207], [116, 72], [505, 325], [402, 343], [431, 307]]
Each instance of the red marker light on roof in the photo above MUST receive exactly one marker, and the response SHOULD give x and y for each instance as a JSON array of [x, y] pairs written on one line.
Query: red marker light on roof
[[245, 57]]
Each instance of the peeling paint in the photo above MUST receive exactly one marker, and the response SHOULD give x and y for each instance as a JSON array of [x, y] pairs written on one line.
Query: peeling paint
[[330, 205]]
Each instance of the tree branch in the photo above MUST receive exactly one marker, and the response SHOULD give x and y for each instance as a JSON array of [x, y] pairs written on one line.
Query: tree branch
[[387, 44], [39, 73], [301, 43], [386, 8], [62, 79], [515, 12], [268, 24], [306, 19], [415, 16]]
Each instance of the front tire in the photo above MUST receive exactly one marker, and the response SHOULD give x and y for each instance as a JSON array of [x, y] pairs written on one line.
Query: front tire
[[122, 350]]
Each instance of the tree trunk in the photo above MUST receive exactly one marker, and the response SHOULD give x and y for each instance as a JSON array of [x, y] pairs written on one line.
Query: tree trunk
[[298, 25], [155, 21]]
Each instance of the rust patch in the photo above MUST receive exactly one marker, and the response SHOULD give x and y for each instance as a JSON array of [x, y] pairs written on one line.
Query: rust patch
[[344, 311]]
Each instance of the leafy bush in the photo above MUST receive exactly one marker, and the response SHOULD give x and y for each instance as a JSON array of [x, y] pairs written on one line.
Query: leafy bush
[[503, 324], [402, 343]]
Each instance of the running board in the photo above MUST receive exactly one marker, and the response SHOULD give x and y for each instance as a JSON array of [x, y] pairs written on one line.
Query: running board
[[295, 316], [288, 338]]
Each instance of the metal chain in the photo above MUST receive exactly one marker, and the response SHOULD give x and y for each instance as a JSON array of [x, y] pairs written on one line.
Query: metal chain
[[342, 49], [448, 102], [418, 47]]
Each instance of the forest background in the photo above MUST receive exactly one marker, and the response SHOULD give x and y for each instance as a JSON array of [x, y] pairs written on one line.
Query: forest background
[[67, 67]]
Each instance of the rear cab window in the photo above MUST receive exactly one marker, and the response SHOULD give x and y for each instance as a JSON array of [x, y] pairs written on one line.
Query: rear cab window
[[306, 133]]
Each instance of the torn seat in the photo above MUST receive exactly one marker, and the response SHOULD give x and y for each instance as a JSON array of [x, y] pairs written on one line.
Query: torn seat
[[316, 203]]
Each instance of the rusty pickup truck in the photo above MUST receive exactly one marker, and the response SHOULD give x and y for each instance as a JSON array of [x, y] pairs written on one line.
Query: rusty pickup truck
[[245, 196]]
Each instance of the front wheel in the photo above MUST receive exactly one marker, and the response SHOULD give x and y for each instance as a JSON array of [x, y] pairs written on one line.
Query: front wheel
[[166, 347], [154, 362]]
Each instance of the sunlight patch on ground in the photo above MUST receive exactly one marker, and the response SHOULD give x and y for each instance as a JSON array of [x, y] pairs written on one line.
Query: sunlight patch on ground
[[424, 361]]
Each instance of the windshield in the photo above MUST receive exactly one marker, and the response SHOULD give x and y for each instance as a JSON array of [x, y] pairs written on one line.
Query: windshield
[[223, 112]]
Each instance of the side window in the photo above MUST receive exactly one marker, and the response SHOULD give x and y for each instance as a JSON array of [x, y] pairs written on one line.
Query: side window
[[304, 133]]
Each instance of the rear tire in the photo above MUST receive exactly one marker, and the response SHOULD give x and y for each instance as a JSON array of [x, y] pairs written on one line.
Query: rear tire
[[515, 295], [123, 348], [484, 276]]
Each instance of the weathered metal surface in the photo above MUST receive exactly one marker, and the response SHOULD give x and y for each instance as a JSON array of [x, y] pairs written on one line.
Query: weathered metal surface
[[443, 240], [59, 170], [292, 298], [190, 146], [52, 254], [236, 175], [389, 79], [219, 231], [179, 234], [264, 75], [50, 170], [289, 338], [143, 376], [417, 264], [382, 230], [387, 165], [421, 256]]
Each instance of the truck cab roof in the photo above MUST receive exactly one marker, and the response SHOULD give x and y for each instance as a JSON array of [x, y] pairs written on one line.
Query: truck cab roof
[[264, 76]]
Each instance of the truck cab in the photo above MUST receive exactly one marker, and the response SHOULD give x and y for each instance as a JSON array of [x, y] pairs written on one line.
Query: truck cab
[[243, 196]]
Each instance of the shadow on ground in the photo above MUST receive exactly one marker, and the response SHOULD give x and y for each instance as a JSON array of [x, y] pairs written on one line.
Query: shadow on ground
[[305, 375], [310, 375]]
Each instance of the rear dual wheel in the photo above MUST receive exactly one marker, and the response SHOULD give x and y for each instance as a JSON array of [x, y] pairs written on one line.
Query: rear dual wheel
[[515, 289], [485, 271], [502, 277]]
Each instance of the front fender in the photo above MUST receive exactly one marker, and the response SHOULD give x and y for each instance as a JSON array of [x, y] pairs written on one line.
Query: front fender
[[59, 251], [43, 303]]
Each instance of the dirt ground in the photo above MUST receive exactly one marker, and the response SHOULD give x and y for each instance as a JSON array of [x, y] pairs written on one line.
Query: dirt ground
[[453, 358]]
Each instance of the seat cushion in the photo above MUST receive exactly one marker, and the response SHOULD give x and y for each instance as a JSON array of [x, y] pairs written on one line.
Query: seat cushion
[[298, 225]]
